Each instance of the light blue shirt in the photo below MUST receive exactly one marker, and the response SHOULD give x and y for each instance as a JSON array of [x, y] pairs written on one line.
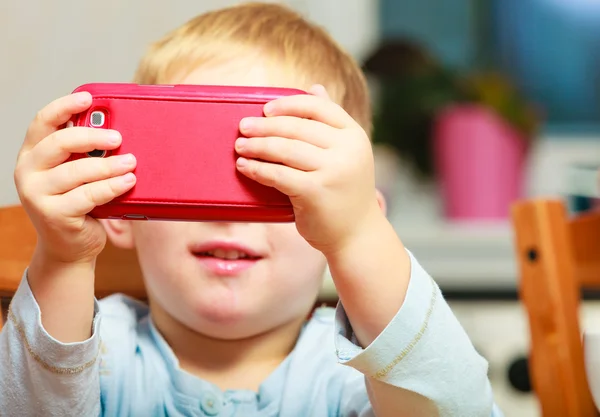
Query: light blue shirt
[[127, 369]]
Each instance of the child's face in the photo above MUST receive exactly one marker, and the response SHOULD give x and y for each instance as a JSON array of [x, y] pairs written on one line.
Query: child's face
[[225, 298]]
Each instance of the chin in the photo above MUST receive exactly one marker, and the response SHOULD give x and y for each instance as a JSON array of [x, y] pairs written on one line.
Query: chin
[[229, 326], [221, 315], [224, 312], [231, 322]]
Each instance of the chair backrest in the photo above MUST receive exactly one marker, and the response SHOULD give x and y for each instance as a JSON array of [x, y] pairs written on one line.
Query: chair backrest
[[558, 255], [117, 270]]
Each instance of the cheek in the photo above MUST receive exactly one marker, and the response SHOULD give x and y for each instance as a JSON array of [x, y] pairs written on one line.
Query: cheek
[[160, 247], [298, 260], [153, 238]]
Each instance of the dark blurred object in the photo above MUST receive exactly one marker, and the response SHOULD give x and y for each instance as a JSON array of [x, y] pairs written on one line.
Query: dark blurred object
[[518, 375], [495, 91], [415, 88], [398, 58]]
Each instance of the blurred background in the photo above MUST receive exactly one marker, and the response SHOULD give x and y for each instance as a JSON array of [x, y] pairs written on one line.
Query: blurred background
[[477, 103]]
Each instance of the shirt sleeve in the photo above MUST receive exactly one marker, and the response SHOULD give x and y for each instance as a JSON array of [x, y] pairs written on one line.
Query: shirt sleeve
[[40, 376], [424, 349]]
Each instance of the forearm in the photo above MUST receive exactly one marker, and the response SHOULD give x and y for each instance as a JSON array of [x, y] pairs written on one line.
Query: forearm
[[371, 275], [423, 350], [65, 295], [38, 374], [418, 360], [390, 401]]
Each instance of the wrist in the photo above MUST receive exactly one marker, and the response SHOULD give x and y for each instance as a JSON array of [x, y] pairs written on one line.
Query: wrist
[[364, 232], [53, 256], [64, 292], [372, 265], [46, 266]]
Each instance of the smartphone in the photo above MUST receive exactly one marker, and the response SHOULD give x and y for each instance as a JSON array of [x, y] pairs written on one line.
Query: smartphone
[[183, 138]]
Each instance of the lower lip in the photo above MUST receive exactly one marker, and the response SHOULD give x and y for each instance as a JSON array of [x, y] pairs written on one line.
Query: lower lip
[[226, 267]]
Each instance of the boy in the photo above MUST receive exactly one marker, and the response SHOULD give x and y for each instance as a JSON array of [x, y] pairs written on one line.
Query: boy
[[225, 332]]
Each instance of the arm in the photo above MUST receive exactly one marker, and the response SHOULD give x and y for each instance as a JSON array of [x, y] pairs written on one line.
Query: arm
[[371, 274], [421, 363], [312, 150], [40, 375], [49, 344], [57, 194], [64, 293]]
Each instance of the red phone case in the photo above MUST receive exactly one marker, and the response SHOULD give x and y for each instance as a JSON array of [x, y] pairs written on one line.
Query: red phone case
[[183, 139]]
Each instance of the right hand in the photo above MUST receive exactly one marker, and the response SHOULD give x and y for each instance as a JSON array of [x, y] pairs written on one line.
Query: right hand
[[57, 195]]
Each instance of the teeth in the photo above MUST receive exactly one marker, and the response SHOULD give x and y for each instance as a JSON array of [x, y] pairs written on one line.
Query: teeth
[[226, 254]]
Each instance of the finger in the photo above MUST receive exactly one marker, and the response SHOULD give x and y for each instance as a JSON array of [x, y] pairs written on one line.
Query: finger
[[309, 131], [54, 115], [84, 199], [312, 107], [58, 147], [289, 181], [293, 153], [68, 176], [319, 91]]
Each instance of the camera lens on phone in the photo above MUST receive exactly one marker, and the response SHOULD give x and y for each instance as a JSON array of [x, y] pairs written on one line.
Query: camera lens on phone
[[96, 153]]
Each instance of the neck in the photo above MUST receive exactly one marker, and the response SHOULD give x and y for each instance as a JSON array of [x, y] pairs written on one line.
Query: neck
[[229, 364]]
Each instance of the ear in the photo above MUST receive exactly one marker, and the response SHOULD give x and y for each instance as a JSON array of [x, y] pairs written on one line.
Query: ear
[[120, 233], [381, 202]]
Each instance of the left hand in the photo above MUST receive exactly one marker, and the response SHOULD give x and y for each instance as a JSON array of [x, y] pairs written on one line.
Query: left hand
[[312, 150]]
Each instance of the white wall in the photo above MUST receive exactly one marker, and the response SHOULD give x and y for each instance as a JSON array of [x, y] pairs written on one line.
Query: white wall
[[47, 48]]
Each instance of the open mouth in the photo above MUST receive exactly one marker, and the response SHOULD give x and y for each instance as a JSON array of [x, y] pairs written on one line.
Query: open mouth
[[223, 259], [228, 255]]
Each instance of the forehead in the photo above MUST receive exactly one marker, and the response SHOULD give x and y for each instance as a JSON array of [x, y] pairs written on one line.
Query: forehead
[[254, 69], [247, 71]]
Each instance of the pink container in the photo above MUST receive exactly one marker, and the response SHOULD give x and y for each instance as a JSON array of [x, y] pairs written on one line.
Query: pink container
[[480, 163]]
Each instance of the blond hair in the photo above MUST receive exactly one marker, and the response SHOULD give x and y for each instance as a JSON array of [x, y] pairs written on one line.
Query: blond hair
[[302, 49]]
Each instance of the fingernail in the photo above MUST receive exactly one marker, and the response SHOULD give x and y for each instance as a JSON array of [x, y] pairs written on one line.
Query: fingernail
[[269, 107], [114, 137], [127, 159], [239, 144], [246, 123], [241, 162], [83, 98], [128, 178]]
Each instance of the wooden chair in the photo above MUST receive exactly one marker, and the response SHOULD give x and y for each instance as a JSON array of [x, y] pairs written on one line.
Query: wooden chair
[[558, 255], [117, 270]]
